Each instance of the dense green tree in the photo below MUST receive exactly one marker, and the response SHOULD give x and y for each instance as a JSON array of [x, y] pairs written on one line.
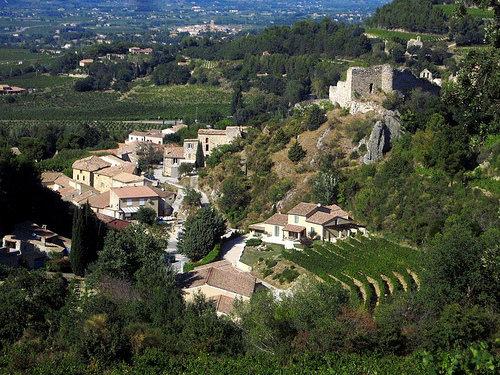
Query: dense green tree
[[126, 252], [146, 215], [86, 239], [461, 268], [200, 157], [30, 302], [192, 197], [202, 231], [234, 199], [325, 188], [185, 168], [475, 98], [296, 152], [316, 118]]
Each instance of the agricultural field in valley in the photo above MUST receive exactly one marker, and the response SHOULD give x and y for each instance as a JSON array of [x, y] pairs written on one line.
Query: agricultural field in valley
[[62, 102], [371, 268], [448, 9], [390, 35]]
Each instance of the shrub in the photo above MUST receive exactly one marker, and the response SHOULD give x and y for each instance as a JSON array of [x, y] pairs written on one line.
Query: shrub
[[306, 241], [270, 263], [266, 272], [254, 242]]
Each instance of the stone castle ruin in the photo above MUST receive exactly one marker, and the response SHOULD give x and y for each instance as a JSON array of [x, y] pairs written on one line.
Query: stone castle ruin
[[361, 82]]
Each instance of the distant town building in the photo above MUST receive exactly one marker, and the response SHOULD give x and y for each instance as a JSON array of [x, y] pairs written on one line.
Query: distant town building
[[414, 43], [7, 89]]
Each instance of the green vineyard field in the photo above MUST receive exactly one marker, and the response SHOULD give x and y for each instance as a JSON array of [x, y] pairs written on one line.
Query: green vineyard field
[[371, 268]]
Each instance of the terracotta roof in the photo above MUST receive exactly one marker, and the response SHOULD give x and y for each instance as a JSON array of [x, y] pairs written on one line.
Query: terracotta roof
[[176, 128], [303, 209], [211, 132], [100, 200], [63, 180], [277, 219], [142, 134], [228, 279], [320, 218], [293, 228], [256, 227], [113, 222], [337, 211], [219, 264], [162, 193], [127, 192], [90, 164], [223, 304], [127, 177], [82, 198], [110, 171], [115, 160], [155, 134], [49, 176], [67, 193], [174, 152]]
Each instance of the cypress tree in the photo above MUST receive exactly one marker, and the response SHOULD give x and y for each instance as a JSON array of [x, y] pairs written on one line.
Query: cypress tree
[[200, 158], [77, 254], [86, 239]]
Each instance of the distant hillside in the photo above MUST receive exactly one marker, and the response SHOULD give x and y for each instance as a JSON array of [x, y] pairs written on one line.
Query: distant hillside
[[410, 15]]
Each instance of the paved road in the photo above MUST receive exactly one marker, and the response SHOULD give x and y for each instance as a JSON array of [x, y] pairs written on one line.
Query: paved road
[[232, 249]]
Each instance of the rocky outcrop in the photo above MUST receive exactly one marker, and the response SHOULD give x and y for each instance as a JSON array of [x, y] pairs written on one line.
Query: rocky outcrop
[[382, 136]]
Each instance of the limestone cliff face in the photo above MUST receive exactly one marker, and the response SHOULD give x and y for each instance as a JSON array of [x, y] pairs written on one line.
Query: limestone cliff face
[[382, 137]]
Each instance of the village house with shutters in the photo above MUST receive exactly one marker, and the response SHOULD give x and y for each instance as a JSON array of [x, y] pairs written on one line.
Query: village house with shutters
[[329, 223], [209, 139]]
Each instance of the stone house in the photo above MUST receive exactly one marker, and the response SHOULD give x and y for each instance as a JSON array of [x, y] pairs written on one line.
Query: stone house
[[329, 223], [211, 138], [84, 169], [414, 43], [153, 136], [30, 244], [173, 157], [124, 202], [426, 74]]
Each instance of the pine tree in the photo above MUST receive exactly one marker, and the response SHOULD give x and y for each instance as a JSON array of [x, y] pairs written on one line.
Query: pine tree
[[200, 158], [296, 152]]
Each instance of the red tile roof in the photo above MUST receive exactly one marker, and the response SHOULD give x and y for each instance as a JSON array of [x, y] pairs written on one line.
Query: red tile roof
[[174, 152], [127, 192], [223, 304], [90, 164], [294, 228], [100, 200], [277, 219], [303, 209], [226, 278]]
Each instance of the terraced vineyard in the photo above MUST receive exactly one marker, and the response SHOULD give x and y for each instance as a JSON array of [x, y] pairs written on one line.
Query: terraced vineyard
[[371, 268]]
